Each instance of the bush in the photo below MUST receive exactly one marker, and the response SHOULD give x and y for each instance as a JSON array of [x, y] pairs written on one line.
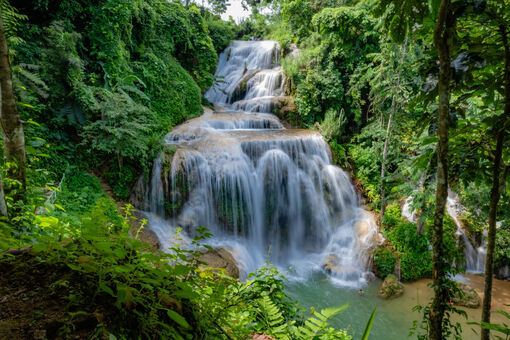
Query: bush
[[384, 261], [502, 253], [79, 191], [412, 248], [102, 275]]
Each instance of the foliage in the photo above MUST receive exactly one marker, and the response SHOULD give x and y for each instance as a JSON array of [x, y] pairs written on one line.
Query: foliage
[[221, 32], [122, 130], [384, 261], [79, 191], [366, 152], [146, 295], [119, 74], [331, 55], [502, 328], [412, 248]]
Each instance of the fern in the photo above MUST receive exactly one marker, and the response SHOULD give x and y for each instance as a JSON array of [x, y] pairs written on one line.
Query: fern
[[317, 326], [24, 77], [272, 316], [74, 114]]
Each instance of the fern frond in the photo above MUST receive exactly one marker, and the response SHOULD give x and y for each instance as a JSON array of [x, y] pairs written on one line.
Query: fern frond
[[272, 316], [317, 325]]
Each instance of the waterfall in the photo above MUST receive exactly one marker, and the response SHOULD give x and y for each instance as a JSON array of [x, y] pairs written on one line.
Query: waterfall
[[475, 257], [260, 188]]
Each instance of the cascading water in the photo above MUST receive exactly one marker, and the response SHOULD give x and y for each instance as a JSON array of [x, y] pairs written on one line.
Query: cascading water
[[475, 257], [260, 189]]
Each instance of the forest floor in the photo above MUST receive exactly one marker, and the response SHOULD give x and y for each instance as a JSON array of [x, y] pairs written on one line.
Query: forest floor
[[39, 300]]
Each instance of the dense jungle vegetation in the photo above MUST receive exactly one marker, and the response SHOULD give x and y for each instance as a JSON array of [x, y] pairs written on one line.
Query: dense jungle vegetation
[[412, 96]]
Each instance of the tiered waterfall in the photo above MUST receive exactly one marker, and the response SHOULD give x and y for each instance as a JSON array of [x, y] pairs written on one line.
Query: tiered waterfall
[[261, 189]]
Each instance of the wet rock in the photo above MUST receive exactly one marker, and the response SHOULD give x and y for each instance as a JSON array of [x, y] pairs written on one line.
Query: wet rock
[[220, 259], [148, 236], [331, 264], [288, 111], [467, 298], [502, 272], [390, 288], [368, 231], [139, 193]]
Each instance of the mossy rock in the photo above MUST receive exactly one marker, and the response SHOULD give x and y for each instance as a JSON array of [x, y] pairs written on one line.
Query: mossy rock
[[467, 297], [390, 288]]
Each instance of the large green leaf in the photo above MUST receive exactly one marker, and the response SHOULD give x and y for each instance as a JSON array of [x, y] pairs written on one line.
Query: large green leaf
[[368, 327]]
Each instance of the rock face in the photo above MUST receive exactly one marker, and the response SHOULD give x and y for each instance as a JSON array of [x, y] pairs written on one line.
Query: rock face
[[390, 288], [469, 297], [220, 258]]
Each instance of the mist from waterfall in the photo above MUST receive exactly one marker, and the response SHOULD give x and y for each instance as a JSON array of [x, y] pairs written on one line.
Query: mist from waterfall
[[262, 190]]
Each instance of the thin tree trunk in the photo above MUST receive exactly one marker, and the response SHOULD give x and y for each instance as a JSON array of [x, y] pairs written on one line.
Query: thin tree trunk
[[385, 154], [495, 191], [388, 133], [12, 127], [443, 36], [3, 205]]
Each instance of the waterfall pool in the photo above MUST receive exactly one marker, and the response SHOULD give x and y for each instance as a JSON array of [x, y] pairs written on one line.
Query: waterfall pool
[[395, 317]]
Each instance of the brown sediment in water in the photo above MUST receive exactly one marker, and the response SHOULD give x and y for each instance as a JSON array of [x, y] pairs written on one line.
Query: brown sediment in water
[[418, 293]]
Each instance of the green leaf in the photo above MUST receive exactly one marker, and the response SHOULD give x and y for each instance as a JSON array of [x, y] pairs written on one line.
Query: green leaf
[[368, 327], [106, 289], [178, 319]]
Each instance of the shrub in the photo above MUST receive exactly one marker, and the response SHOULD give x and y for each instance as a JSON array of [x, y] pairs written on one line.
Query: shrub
[[412, 248], [384, 261]]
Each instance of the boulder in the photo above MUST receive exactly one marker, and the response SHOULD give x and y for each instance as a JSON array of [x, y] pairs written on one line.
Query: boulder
[[219, 259], [468, 297], [149, 236], [331, 264], [368, 231], [390, 288]]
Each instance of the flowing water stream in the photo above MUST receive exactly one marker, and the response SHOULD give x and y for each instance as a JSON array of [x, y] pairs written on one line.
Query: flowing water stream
[[474, 256]]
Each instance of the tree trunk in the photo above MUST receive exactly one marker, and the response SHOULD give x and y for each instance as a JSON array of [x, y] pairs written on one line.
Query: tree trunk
[[388, 133], [3, 205], [384, 155], [443, 36], [495, 191], [12, 127]]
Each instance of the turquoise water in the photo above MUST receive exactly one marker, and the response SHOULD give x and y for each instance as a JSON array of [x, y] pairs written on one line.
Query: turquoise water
[[393, 318]]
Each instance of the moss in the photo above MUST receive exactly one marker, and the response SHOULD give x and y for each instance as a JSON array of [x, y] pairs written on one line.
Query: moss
[[176, 199], [229, 211]]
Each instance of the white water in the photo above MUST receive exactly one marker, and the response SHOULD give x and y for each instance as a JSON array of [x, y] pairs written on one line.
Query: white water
[[262, 190], [475, 257]]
